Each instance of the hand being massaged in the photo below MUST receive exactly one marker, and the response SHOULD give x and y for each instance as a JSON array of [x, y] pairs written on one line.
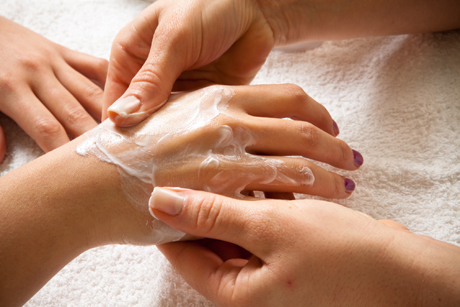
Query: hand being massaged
[[226, 140], [220, 138]]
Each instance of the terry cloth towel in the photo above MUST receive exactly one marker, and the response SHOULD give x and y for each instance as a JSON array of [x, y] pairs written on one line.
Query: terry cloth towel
[[396, 100]]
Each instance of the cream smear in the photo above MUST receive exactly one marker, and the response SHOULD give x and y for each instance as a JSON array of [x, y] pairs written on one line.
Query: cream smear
[[194, 141]]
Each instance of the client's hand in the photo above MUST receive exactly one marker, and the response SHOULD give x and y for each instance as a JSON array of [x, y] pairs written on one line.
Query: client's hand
[[226, 140], [222, 138], [46, 88], [303, 253]]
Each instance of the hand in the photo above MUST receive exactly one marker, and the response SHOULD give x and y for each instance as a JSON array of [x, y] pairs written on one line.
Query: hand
[[46, 88], [217, 138], [182, 46], [226, 140], [302, 253]]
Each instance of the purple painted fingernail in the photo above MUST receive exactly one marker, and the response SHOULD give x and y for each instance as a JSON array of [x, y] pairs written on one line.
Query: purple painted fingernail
[[349, 185], [358, 159], [335, 127]]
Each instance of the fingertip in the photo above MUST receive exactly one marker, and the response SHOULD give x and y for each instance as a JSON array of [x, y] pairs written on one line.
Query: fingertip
[[126, 120], [129, 111], [349, 184], [358, 158], [335, 128]]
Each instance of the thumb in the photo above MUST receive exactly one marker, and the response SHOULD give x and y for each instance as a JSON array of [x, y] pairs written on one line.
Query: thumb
[[151, 86], [203, 214]]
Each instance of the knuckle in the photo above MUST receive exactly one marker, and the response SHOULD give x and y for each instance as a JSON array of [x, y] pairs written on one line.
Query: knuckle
[[310, 133], [93, 93], [207, 212], [148, 76], [296, 93], [76, 115], [33, 62], [101, 64], [48, 129], [7, 83]]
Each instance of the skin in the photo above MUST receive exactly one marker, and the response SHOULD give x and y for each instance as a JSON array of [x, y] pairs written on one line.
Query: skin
[[46, 88], [303, 253], [49, 218], [188, 44]]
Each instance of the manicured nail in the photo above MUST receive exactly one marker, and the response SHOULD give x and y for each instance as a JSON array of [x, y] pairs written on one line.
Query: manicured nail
[[349, 185], [335, 127], [166, 201], [125, 106], [357, 158], [130, 119]]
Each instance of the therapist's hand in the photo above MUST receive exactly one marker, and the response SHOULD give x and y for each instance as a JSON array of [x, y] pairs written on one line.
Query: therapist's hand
[[303, 253], [46, 88], [183, 45]]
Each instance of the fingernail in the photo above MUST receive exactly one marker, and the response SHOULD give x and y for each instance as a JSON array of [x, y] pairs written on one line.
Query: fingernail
[[130, 119], [166, 201], [349, 185], [357, 158], [125, 106], [335, 127]]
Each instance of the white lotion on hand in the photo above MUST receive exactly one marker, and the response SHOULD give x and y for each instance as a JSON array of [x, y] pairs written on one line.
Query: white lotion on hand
[[191, 134]]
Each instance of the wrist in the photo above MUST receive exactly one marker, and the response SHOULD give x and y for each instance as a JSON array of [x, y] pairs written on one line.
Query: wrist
[[439, 270], [428, 269], [290, 20]]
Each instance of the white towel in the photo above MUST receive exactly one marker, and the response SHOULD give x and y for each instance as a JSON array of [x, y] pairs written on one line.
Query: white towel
[[396, 100]]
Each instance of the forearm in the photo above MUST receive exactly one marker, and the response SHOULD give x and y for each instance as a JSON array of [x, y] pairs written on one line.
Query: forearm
[[51, 211], [300, 20]]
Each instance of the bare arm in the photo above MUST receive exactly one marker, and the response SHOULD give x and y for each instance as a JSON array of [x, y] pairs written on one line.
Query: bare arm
[[298, 20]]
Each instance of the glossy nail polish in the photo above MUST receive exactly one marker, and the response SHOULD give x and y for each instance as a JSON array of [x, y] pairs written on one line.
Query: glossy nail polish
[[335, 127], [358, 159], [349, 185]]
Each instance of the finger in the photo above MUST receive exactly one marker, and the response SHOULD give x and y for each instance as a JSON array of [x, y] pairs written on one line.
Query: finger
[[214, 216], [200, 267], [230, 176], [88, 94], [284, 100], [2, 144], [285, 175], [65, 108], [92, 67], [151, 86], [37, 121], [289, 138]]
